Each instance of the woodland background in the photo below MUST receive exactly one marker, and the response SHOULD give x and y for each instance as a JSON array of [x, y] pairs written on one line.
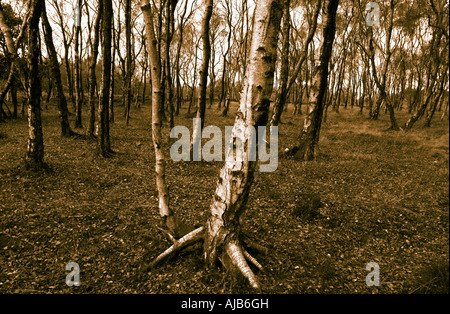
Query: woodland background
[[377, 190]]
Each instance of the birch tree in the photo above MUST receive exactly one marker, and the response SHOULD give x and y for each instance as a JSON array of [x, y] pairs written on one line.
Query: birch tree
[[434, 64], [78, 87], [203, 73], [92, 67], [221, 235], [284, 71], [34, 157], [284, 90], [66, 131], [67, 40], [307, 148], [104, 145], [128, 74]]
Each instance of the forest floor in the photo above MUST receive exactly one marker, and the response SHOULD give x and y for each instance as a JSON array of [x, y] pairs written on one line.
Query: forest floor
[[384, 195]]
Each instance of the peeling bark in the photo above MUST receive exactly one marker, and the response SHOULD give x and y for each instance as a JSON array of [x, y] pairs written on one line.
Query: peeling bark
[[236, 177], [221, 235], [157, 106]]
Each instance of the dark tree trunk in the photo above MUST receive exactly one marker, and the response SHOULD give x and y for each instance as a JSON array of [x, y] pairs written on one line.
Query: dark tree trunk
[[92, 76], [205, 62], [104, 145], [56, 76], [128, 73], [34, 157], [280, 99], [113, 75], [309, 136], [78, 92]]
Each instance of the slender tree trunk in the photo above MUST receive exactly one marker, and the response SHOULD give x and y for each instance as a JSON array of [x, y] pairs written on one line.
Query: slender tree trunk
[[113, 76], [227, 101], [157, 106], [56, 76], [309, 136], [280, 99], [128, 74], [381, 82], [340, 83], [66, 45], [78, 96], [92, 66], [208, 6], [68, 72], [179, 90], [363, 93], [144, 81], [225, 55], [34, 157], [191, 102], [170, 7], [13, 93], [104, 145]]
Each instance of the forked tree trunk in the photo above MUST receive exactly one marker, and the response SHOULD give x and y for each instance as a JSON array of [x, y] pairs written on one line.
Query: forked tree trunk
[[222, 234], [34, 157]]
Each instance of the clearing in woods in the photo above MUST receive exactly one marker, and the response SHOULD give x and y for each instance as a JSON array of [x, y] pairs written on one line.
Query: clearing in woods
[[384, 198]]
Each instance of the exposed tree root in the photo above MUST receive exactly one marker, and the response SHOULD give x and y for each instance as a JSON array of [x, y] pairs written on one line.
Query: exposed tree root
[[185, 241], [253, 260], [254, 246], [233, 251], [167, 234], [237, 257]]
